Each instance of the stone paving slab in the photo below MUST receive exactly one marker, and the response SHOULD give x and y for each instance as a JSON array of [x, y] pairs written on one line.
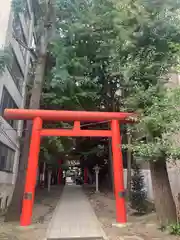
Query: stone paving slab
[[74, 217]]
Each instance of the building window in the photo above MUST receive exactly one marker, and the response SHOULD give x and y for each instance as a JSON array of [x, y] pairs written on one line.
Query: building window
[[19, 34], [6, 158], [36, 9], [8, 102], [27, 15], [15, 71]]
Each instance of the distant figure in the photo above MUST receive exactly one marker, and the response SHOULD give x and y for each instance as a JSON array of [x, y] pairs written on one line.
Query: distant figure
[[64, 177], [79, 180], [64, 180]]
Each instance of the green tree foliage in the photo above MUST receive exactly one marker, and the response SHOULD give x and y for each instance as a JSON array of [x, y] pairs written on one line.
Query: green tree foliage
[[109, 45], [157, 43], [104, 47], [174, 229], [160, 121], [138, 198], [150, 47], [83, 51], [80, 55]]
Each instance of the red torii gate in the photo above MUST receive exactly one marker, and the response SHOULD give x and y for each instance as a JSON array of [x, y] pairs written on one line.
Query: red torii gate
[[38, 116]]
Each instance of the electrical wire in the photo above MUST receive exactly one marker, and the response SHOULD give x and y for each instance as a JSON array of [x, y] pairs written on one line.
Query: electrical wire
[[3, 131], [83, 125]]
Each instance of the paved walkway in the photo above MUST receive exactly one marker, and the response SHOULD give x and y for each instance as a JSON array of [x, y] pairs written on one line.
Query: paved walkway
[[74, 217]]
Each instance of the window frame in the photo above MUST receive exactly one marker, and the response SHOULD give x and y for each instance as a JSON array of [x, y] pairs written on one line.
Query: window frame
[[27, 14], [9, 155], [16, 79], [6, 96], [19, 33]]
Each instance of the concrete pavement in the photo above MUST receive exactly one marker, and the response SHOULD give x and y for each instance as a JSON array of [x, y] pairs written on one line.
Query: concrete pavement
[[74, 217]]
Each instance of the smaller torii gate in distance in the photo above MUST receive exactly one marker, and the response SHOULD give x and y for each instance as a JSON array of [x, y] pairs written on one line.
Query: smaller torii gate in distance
[[38, 116]]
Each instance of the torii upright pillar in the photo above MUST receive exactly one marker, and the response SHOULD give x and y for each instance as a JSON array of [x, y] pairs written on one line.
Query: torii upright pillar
[[85, 175], [28, 199], [118, 173]]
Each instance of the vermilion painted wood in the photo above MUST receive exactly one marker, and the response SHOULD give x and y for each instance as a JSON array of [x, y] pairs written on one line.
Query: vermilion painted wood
[[52, 115], [118, 173], [75, 133], [77, 125], [28, 200], [85, 176], [39, 115]]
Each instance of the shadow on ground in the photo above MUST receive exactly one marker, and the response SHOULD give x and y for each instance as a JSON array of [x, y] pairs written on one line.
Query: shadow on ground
[[45, 204]]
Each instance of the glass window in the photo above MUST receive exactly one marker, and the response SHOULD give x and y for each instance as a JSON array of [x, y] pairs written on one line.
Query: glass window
[[27, 15], [15, 71], [6, 158], [8, 102], [19, 33]]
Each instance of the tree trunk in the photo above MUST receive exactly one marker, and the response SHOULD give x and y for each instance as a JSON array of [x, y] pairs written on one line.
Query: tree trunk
[[38, 83], [163, 198], [110, 167], [14, 210]]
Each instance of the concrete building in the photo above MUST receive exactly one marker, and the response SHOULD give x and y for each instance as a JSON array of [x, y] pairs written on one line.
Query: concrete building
[[13, 82]]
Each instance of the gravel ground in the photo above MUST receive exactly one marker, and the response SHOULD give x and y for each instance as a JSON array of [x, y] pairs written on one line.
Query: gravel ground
[[43, 209], [140, 228]]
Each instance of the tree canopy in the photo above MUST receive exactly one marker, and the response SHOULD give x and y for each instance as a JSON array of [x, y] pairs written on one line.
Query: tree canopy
[[117, 55]]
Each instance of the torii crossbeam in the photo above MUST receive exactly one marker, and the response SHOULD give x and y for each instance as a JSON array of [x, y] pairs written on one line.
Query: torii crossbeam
[[38, 116]]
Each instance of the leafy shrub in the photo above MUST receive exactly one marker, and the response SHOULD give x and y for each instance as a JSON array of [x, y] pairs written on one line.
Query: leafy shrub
[[138, 199], [174, 229]]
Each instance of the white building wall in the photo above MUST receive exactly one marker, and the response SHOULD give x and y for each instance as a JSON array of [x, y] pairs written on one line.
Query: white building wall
[[9, 136], [26, 70], [4, 19]]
